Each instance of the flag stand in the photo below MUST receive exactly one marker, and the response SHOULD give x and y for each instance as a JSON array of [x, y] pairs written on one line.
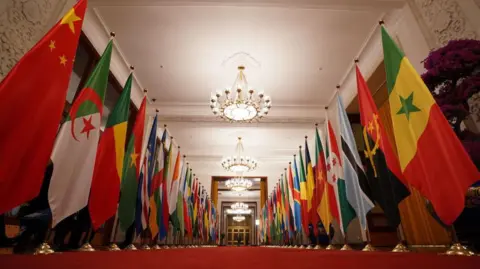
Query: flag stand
[[369, 246], [457, 249], [346, 247], [144, 246], [87, 247], [155, 240], [400, 247], [44, 248], [330, 245], [131, 246], [113, 246], [317, 243], [302, 240]]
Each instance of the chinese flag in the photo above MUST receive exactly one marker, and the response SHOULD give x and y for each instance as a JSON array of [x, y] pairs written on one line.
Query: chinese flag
[[32, 97]]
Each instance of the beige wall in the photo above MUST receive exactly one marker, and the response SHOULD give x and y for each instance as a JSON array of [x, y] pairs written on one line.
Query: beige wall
[[23, 23]]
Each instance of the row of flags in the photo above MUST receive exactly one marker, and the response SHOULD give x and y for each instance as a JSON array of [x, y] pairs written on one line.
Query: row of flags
[[147, 182], [425, 155]]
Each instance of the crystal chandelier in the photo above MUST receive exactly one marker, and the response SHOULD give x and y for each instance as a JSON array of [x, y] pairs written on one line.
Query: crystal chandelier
[[239, 163], [239, 218], [241, 106], [239, 209], [238, 206], [238, 184]]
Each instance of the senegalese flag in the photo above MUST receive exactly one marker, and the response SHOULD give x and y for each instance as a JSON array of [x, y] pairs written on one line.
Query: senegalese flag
[[303, 192], [76, 146], [131, 171], [107, 174], [431, 156], [323, 190], [32, 98], [311, 210], [343, 210], [383, 168]]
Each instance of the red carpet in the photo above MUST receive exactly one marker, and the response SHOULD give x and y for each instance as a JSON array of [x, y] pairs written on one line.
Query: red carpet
[[237, 258]]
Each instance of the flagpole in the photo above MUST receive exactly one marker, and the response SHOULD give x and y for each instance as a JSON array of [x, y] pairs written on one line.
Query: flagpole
[[345, 247], [330, 239], [369, 246], [401, 246], [457, 249]]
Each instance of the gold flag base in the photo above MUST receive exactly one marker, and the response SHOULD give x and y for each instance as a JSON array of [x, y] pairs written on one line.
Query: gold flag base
[[173, 246], [346, 247], [317, 247], [458, 249], [368, 248], [130, 247], [43, 249], [86, 248], [145, 247], [400, 247], [113, 247], [330, 247], [165, 247], [156, 247], [302, 247], [309, 247], [295, 246]]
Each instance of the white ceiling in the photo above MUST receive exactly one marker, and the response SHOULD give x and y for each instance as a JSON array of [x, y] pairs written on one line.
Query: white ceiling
[[297, 51]]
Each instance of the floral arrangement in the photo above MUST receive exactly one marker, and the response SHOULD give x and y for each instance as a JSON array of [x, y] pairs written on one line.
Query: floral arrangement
[[453, 77]]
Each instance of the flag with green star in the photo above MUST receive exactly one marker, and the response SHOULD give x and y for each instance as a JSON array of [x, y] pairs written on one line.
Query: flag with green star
[[432, 158]]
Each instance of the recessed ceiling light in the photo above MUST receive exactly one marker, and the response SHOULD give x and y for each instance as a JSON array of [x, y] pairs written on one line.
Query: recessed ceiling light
[[161, 66], [320, 68]]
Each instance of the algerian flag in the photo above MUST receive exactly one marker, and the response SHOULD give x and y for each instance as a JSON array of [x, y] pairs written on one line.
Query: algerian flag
[[76, 146]]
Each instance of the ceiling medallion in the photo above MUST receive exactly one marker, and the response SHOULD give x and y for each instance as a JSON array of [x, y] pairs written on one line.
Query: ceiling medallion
[[241, 106], [239, 218], [238, 184], [239, 163]]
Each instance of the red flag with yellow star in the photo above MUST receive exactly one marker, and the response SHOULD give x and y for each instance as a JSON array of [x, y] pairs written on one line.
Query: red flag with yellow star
[[31, 104]]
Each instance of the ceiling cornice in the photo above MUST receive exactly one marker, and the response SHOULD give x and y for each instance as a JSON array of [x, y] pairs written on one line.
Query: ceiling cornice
[[347, 5], [200, 112]]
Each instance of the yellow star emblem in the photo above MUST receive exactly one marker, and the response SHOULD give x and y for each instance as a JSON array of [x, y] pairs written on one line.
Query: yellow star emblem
[[63, 60], [134, 157], [370, 126], [70, 18], [52, 45]]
